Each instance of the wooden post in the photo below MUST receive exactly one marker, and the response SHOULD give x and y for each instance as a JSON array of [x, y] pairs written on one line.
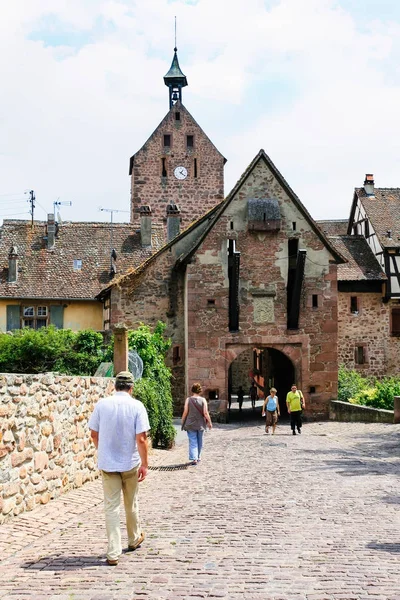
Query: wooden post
[[396, 410], [120, 348]]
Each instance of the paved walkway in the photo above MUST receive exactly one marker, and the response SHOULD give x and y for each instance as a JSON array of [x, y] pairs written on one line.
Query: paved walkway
[[311, 517]]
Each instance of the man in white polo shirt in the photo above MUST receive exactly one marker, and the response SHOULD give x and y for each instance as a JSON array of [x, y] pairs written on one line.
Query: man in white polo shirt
[[118, 427]]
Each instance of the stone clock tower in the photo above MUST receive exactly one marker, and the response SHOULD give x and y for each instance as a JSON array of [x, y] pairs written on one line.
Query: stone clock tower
[[178, 167]]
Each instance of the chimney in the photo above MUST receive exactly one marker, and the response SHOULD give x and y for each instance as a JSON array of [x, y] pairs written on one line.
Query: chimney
[[145, 225], [369, 184], [173, 221], [13, 265], [51, 231]]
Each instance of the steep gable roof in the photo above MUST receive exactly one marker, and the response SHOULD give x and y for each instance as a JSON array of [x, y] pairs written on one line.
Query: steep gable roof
[[167, 117], [383, 212], [50, 274], [296, 201]]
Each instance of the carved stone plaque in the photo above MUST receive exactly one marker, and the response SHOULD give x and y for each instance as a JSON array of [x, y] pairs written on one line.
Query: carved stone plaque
[[263, 310]]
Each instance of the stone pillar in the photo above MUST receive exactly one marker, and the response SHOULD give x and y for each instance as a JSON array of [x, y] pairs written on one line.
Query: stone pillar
[[396, 410], [120, 348]]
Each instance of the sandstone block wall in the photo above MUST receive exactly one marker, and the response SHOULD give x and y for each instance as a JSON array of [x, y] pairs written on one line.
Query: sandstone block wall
[[45, 446]]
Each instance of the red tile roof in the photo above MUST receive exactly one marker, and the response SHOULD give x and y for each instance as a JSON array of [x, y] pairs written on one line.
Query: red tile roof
[[50, 274]]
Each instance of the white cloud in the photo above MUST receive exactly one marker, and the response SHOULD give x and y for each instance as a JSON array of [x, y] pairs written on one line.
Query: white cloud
[[70, 118]]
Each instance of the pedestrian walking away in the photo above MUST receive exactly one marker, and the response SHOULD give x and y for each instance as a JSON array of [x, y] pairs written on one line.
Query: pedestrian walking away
[[253, 395], [270, 409], [118, 427], [240, 397], [195, 420], [295, 405]]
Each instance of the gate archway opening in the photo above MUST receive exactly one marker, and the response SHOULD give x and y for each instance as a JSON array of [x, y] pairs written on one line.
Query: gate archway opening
[[268, 367]]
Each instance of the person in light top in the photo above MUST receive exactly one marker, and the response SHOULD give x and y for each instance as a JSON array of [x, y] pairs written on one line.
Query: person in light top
[[270, 409]]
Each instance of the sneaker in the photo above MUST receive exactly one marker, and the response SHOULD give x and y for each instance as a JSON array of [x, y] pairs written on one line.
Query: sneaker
[[299, 430], [137, 544], [293, 432], [112, 562], [266, 430]]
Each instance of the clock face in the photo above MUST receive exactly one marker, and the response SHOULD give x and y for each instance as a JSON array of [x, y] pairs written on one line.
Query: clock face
[[180, 173]]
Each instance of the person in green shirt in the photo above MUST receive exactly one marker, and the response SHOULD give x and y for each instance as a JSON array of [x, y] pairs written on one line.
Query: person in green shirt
[[295, 404]]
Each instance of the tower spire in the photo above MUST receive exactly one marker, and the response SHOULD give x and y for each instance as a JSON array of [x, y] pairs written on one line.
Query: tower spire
[[175, 80]]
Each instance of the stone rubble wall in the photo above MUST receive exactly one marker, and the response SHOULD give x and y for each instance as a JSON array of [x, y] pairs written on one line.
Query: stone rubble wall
[[45, 445]]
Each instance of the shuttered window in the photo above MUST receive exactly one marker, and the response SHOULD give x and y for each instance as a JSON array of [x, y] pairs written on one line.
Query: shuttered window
[[396, 321], [57, 316], [13, 317]]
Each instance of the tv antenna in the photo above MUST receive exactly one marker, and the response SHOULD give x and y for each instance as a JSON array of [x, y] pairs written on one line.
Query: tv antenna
[[57, 203], [32, 199], [113, 253]]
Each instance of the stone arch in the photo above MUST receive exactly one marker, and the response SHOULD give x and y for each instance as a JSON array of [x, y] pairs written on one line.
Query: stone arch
[[280, 366]]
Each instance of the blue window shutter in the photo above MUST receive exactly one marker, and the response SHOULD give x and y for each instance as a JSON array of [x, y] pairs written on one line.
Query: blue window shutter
[[13, 317], [57, 316]]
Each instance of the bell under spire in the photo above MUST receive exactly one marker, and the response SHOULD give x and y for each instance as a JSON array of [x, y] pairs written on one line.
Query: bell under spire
[[175, 80]]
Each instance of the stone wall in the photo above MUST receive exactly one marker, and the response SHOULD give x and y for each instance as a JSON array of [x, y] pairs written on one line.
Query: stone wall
[[45, 446], [369, 328], [346, 412]]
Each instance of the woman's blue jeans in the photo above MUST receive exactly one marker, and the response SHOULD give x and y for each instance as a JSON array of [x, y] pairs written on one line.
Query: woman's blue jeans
[[195, 444]]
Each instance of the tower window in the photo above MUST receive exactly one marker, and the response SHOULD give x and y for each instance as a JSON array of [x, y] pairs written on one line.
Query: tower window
[[354, 305], [167, 140], [195, 172], [231, 224], [294, 225], [163, 167], [177, 116], [315, 300], [189, 141]]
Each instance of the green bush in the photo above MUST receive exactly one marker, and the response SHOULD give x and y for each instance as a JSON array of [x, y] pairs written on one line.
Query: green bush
[[154, 389], [386, 389], [367, 392], [350, 383], [51, 349], [364, 397], [152, 348]]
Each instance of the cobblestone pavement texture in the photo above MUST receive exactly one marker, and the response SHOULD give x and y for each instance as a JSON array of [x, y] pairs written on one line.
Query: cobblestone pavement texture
[[311, 517]]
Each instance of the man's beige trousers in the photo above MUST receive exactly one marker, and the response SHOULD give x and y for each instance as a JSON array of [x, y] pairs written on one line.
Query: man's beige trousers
[[113, 484]]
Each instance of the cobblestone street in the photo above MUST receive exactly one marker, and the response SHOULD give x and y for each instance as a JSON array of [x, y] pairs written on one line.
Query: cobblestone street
[[311, 517]]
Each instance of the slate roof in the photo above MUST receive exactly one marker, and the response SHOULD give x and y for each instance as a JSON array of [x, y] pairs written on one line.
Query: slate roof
[[383, 211], [50, 274], [334, 227], [361, 262]]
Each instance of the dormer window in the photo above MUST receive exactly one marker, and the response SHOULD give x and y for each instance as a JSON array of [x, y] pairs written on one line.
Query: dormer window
[[77, 264]]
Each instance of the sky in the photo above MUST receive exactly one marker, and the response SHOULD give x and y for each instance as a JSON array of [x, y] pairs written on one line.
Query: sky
[[315, 83]]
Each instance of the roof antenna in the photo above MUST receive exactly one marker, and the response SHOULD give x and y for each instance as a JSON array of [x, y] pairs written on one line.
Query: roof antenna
[[175, 49]]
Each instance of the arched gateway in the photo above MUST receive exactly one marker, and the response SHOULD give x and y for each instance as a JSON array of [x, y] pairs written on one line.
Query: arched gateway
[[271, 366]]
